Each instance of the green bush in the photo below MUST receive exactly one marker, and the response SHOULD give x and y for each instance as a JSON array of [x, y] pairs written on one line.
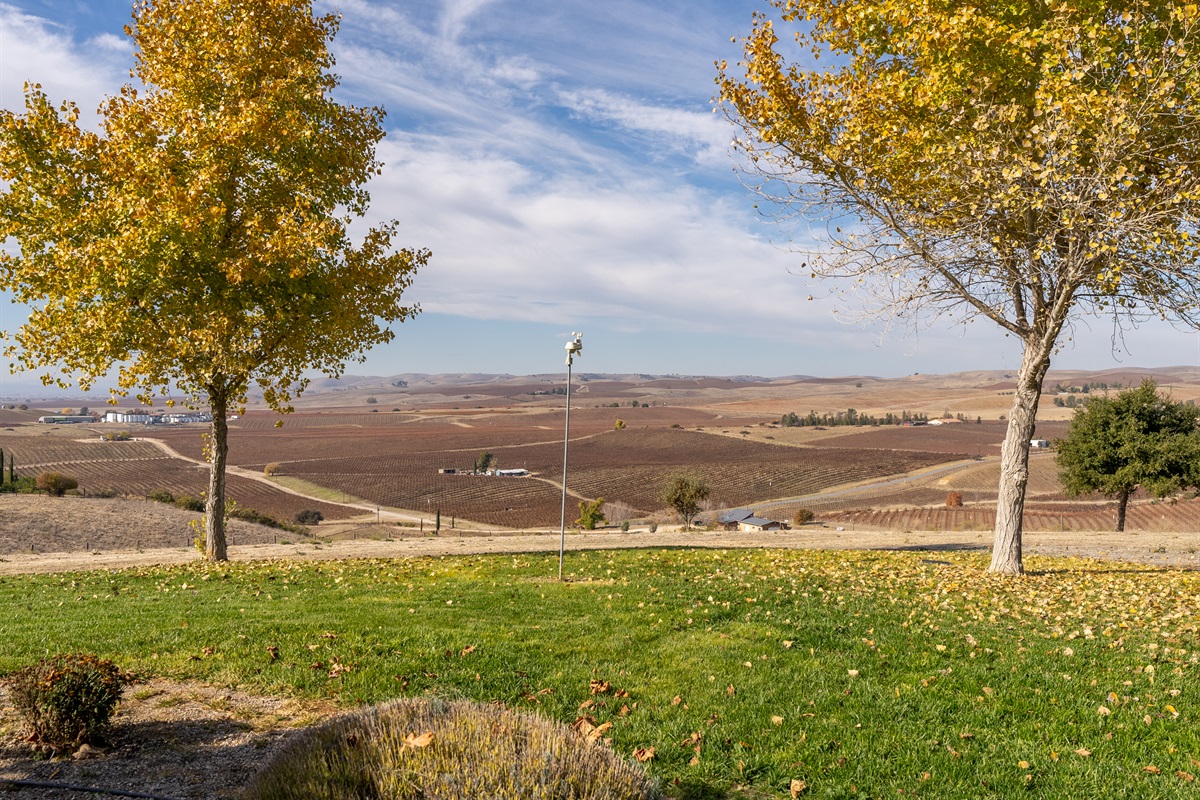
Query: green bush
[[803, 516], [189, 503], [412, 748], [309, 517], [66, 699], [161, 496]]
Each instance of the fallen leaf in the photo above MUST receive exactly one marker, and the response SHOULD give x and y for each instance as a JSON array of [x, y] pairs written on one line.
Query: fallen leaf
[[1168, 708], [273, 652], [776, 720], [598, 731], [1083, 751], [1103, 711], [676, 700], [695, 761], [787, 644], [797, 787], [587, 704], [600, 687], [1184, 776], [1068, 652], [1023, 764], [643, 754], [466, 651], [424, 740], [1153, 770], [965, 735], [853, 673], [729, 690]]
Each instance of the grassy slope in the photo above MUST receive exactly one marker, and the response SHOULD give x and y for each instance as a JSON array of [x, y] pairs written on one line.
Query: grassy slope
[[856, 673]]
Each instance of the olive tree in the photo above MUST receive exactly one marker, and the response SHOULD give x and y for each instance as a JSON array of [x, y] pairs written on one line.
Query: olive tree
[[199, 240], [1021, 162]]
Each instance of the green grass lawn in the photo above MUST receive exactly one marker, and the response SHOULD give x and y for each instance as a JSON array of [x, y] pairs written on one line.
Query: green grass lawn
[[856, 673]]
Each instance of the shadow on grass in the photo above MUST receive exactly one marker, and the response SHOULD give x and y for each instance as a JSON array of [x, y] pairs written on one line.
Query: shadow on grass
[[948, 547], [696, 789]]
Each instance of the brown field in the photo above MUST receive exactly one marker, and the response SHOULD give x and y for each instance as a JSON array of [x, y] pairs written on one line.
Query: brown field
[[388, 452]]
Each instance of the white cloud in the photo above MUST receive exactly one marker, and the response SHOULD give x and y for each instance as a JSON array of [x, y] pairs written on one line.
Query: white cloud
[[699, 134], [36, 50]]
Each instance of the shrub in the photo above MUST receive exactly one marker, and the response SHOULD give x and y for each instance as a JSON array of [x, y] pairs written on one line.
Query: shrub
[[56, 484], [189, 503], [161, 496], [619, 425], [625, 526], [654, 527], [66, 699], [803, 516], [591, 514], [309, 517], [271, 469], [954, 500], [413, 748]]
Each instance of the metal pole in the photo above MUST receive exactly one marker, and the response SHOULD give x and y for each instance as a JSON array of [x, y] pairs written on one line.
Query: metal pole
[[562, 529], [574, 348]]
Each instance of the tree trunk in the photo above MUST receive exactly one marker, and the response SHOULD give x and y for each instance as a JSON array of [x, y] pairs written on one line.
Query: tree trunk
[[1014, 456], [218, 456], [1122, 505]]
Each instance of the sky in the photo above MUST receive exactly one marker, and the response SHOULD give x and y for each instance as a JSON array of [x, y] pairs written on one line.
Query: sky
[[563, 161]]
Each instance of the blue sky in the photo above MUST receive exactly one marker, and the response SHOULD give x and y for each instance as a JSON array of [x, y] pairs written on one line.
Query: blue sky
[[563, 162]]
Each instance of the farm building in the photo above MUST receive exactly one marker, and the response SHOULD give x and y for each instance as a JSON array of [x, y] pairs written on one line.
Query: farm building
[[743, 519], [757, 524], [511, 473], [127, 417], [729, 519]]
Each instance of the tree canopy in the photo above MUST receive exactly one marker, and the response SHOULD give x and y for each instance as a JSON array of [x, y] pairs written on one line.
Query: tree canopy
[[1019, 162], [684, 492], [1137, 438], [199, 240]]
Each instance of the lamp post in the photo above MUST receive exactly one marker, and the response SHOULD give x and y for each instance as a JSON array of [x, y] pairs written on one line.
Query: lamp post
[[574, 348]]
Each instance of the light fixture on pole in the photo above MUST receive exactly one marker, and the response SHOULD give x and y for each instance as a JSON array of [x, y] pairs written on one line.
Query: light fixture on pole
[[574, 348]]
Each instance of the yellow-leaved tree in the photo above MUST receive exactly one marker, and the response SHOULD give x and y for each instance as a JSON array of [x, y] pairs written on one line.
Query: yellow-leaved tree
[[199, 239], [1026, 162]]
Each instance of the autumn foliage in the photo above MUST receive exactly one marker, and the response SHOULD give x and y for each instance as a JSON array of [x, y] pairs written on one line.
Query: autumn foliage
[[199, 241]]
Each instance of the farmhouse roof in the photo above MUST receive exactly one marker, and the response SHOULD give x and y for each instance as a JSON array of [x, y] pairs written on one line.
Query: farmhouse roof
[[735, 515], [758, 522]]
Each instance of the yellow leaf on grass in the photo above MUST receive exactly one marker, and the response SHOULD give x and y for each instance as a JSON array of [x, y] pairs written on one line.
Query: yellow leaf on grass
[[797, 787], [1153, 770], [1083, 751], [643, 754], [1023, 764], [1103, 711], [424, 740], [776, 720]]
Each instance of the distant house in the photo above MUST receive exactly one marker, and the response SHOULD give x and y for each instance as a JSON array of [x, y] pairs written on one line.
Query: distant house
[[756, 524], [1040, 443], [743, 519], [511, 473], [729, 519], [448, 471]]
